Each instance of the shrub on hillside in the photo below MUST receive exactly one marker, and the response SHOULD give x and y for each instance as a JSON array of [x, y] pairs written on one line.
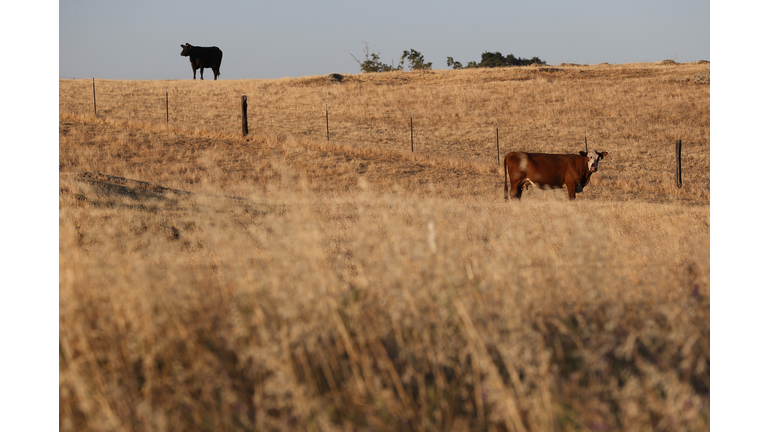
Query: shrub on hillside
[[415, 60], [373, 63], [495, 59]]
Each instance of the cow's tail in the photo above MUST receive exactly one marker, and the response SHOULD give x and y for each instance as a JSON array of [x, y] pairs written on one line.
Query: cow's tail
[[506, 189]]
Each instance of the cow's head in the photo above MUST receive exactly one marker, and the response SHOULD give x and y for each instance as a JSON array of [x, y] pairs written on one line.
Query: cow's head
[[185, 49], [593, 157]]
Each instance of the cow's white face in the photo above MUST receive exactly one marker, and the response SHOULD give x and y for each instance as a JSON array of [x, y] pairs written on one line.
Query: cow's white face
[[593, 158]]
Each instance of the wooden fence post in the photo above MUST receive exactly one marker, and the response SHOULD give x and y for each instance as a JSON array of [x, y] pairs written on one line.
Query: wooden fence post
[[94, 96], [327, 126], [166, 105], [244, 103], [411, 131], [498, 154], [678, 163]]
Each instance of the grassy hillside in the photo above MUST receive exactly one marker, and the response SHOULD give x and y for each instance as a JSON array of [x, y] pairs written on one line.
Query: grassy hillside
[[281, 281], [634, 111]]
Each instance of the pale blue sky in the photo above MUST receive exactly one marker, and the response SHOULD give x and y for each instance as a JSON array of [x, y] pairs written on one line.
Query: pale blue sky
[[141, 39]]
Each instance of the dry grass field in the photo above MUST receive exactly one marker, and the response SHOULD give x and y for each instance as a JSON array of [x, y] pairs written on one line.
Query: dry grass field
[[284, 281]]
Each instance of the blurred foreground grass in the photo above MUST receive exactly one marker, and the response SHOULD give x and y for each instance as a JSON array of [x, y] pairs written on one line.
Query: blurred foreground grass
[[370, 311]]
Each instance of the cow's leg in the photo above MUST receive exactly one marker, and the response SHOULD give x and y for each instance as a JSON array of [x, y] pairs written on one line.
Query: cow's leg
[[517, 186], [506, 170], [520, 190], [506, 191], [571, 191], [201, 73]]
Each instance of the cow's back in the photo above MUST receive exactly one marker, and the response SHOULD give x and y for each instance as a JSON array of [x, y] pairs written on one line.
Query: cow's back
[[210, 55], [552, 170], [548, 169]]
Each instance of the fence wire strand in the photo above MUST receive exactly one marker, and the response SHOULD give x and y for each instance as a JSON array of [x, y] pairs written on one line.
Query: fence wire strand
[[220, 111]]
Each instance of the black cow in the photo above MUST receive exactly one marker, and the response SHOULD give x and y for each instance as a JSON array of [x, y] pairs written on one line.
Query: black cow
[[202, 57]]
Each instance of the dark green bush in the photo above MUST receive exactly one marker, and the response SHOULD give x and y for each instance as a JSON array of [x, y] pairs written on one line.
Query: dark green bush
[[496, 59], [415, 60]]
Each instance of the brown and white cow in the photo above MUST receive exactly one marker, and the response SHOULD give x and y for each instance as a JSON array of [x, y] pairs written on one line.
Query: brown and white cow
[[550, 171]]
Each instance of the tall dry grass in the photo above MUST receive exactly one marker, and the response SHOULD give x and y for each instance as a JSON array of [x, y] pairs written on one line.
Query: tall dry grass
[[279, 282]]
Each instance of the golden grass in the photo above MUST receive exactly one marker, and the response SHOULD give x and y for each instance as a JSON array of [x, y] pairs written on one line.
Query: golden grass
[[635, 112], [210, 281]]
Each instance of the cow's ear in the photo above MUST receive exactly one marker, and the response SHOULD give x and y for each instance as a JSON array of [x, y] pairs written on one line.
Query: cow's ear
[[583, 153], [604, 154]]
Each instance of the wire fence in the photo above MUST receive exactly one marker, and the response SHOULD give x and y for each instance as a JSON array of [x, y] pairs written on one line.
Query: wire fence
[[479, 127], [345, 123], [468, 131]]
